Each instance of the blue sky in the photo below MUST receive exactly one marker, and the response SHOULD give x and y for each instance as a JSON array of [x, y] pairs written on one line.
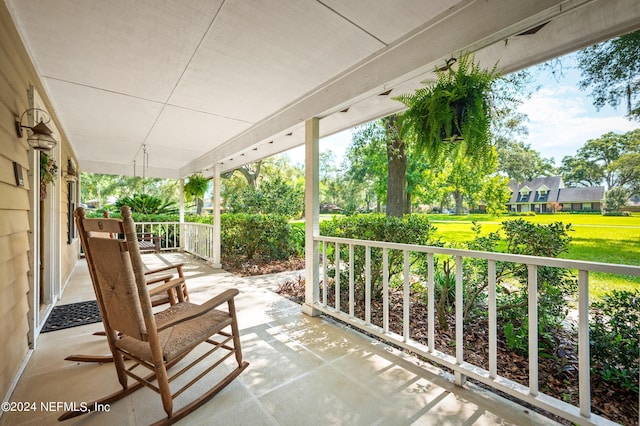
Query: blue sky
[[561, 119]]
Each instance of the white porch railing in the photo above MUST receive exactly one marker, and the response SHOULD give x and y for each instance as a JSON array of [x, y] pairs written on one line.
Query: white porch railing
[[529, 393], [197, 239], [194, 238]]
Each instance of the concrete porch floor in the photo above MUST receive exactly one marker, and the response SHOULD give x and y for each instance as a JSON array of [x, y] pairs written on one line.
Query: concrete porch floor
[[303, 370]]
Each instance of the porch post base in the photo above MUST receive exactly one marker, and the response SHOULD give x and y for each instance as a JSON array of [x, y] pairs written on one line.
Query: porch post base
[[310, 310]]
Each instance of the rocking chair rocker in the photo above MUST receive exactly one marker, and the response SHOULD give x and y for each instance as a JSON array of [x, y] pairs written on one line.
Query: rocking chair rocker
[[154, 341]]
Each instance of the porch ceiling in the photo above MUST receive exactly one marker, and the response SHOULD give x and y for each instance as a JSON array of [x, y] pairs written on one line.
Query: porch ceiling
[[230, 81]]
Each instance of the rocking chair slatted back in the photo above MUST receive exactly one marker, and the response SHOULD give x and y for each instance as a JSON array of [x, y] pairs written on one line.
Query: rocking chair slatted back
[[117, 286]]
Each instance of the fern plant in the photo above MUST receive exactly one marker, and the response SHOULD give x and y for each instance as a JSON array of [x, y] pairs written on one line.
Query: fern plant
[[195, 189], [147, 204], [196, 186], [454, 113]]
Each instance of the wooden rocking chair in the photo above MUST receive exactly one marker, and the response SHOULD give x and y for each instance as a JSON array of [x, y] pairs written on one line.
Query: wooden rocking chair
[[157, 297], [154, 341]]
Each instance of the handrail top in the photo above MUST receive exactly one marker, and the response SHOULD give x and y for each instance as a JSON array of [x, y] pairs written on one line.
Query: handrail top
[[501, 257]]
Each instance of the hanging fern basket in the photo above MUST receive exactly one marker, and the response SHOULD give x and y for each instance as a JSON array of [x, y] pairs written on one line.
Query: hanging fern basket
[[456, 108], [196, 185]]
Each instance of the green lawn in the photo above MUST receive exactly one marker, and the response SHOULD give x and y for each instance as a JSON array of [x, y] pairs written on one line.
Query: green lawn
[[595, 238]]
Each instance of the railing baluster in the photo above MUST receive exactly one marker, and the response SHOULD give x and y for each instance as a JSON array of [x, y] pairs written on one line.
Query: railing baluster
[[351, 283], [385, 290], [493, 321], [406, 300], [367, 284], [533, 329], [431, 302], [461, 369], [459, 378], [324, 273], [584, 359], [337, 305]]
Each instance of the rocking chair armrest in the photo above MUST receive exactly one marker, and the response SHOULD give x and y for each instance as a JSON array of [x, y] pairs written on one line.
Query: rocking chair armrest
[[154, 280], [168, 285], [177, 266], [209, 305]]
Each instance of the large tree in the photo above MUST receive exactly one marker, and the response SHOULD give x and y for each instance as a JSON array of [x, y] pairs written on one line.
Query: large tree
[[104, 188], [397, 167], [520, 162], [368, 160], [611, 70], [612, 159], [277, 188]]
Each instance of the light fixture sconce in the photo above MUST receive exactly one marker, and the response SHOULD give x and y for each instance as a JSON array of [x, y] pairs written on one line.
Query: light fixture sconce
[[41, 136]]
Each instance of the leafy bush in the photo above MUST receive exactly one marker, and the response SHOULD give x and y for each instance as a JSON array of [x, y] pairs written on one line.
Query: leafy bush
[[256, 235], [274, 196], [410, 229], [298, 240], [614, 331], [554, 285], [146, 204], [241, 234], [625, 214], [615, 199]]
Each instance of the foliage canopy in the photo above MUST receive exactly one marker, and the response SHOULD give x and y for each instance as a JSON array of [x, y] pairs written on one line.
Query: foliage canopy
[[612, 71]]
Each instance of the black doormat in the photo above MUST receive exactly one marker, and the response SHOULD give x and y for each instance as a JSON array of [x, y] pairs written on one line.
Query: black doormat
[[72, 315]]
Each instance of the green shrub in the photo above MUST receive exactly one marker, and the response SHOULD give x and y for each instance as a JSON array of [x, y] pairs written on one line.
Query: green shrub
[[146, 204], [555, 286], [614, 331], [241, 234], [253, 235], [410, 229], [626, 214], [275, 196], [511, 213]]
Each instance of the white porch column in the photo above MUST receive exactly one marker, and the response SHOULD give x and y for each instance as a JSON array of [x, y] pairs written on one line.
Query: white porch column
[[217, 262], [181, 213], [312, 219]]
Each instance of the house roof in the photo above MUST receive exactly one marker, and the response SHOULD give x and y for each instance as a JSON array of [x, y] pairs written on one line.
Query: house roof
[[196, 83], [634, 201], [548, 183], [581, 195], [556, 191]]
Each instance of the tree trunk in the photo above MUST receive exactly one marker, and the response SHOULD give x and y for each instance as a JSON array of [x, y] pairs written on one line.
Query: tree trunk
[[457, 195], [407, 206], [397, 170], [251, 176]]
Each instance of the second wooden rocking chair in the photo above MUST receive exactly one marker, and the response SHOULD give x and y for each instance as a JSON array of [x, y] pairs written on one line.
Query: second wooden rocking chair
[[154, 276], [155, 342]]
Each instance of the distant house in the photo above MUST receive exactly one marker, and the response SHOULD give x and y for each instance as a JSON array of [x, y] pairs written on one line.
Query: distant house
[[540, 195], [633, 205]]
